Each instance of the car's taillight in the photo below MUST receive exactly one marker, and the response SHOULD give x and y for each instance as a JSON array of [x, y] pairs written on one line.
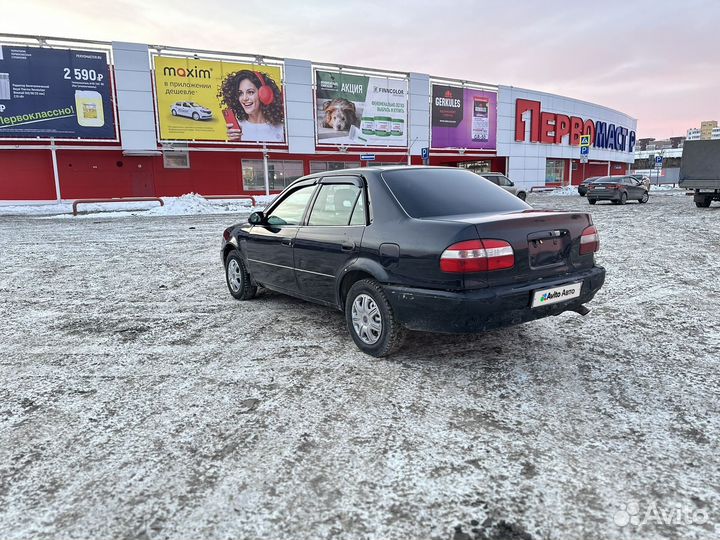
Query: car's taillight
[[477, 256], [589, 241]]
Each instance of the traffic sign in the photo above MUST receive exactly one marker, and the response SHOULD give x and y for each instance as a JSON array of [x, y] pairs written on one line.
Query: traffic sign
[[584, 159], [367, 157], [584, 140], [584, 150], [658, 160], [425, 153]]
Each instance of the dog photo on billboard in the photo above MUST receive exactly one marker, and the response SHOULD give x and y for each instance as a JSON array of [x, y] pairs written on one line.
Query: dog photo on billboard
[[340, 114]]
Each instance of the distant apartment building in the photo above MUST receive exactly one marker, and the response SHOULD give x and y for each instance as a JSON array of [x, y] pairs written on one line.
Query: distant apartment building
[[706, 128], [659, 144], [705, 131]]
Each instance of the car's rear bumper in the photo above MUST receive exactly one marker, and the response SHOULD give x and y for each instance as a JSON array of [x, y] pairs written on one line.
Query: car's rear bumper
[[603, 195], [482, 309]]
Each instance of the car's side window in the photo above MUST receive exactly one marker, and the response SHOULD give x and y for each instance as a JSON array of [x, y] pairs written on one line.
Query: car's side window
[[504, 181], [494, 180], [358, 215], [334, 204], [291, 209]]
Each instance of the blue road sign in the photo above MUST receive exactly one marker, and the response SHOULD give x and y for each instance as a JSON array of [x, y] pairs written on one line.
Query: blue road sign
[[425, 153], [367, 157], [658, 160], [584, 150]]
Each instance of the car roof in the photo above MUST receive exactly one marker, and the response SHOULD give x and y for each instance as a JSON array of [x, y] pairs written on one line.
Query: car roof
[[368, 171]]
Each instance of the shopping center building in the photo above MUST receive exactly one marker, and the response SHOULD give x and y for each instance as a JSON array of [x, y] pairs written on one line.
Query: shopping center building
[[81, 119]]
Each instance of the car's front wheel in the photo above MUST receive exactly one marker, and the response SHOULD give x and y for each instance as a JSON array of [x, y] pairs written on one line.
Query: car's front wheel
[[174, 112], [623, 198], [195, 116], [370, 319], [592, 201], [644, 198], [238, 278]]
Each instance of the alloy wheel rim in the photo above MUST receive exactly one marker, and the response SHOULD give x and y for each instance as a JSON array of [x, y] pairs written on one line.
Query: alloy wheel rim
[[234, 276], [366, 319]]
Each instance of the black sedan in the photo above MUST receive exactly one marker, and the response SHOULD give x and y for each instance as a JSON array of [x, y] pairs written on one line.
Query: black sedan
[[421, 248], [583, 187], [617, 189]]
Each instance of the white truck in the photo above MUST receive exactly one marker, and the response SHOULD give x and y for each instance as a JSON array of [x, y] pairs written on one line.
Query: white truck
[[700, 171]]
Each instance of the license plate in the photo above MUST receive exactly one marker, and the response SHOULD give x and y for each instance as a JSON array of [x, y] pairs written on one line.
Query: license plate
[[599, 188], [555, 295]]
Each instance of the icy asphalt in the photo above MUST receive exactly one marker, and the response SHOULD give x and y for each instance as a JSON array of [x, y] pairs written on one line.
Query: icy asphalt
[[139, 400]]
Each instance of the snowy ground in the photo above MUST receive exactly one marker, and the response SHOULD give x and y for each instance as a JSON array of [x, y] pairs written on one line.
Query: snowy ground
[[138, 400]]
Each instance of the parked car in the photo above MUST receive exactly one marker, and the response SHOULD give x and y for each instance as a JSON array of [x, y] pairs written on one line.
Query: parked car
[[617, 189], [499, 179], [420, 248], [191, 110], [583, 187]]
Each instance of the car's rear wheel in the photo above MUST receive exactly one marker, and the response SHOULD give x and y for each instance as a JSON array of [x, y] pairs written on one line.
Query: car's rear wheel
[[370, 319], [704, 203], [522, 195], [592, 201], [238, 278], [623, 198], [644, 198]]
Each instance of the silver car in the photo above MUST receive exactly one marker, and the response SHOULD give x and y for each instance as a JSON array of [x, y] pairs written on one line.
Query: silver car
[[499, 179], [191, 109]]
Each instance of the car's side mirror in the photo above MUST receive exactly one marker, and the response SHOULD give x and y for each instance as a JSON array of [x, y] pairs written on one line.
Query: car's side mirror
[[256, 218]]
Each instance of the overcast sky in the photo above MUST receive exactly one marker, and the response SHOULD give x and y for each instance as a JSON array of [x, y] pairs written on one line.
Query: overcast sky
[[658, 61]]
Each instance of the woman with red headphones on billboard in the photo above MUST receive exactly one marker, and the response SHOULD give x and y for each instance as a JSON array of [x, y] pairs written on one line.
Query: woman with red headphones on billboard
[[253, 107]]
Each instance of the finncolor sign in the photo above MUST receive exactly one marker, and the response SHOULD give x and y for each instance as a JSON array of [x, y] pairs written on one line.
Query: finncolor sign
[[555, 128]]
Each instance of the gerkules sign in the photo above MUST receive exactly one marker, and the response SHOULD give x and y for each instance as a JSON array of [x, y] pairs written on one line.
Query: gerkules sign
[[552, 128]]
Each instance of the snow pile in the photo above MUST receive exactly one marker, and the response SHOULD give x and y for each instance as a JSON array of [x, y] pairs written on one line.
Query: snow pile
[[189, 204], [192, 203], [565, 191]]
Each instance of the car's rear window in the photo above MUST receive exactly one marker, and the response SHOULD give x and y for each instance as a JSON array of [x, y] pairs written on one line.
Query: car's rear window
[[448, 192]]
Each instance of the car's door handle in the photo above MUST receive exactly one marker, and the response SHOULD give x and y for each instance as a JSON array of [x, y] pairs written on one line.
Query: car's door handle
[[287, 242], [347, 246]]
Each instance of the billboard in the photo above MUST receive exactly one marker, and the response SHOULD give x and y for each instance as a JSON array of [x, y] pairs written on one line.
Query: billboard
[[55, 93], [360, 110], [214, 100], [463, 118]]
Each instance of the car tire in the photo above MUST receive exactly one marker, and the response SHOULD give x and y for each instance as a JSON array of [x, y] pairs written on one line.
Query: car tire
[[366, 302], [623, 198], [195, 116], [174, 112], [705, 203], [644, 198], [592, 201], [237, 277], [522, 195]]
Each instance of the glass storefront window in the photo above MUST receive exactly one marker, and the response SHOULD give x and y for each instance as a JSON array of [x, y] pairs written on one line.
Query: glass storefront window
[[280, 172], [322, 166], [554, 171]]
